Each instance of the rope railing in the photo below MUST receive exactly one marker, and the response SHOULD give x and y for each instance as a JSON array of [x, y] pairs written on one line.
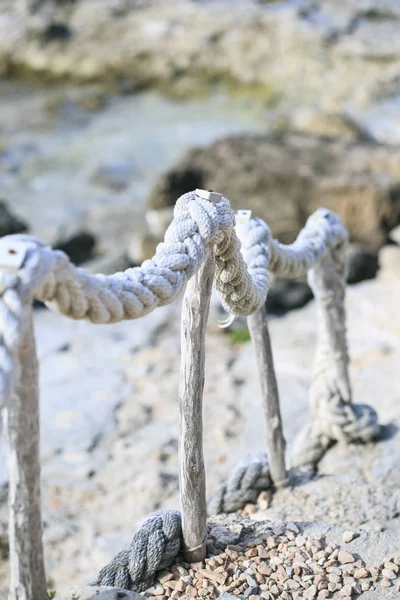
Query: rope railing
[[201, 246]]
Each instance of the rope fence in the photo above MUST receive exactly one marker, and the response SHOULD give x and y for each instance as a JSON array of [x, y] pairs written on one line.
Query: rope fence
[[203, 245]]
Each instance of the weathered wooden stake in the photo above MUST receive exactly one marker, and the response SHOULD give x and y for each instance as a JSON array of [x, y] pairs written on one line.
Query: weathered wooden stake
[[195, 309], [258, 327], [21, 416]]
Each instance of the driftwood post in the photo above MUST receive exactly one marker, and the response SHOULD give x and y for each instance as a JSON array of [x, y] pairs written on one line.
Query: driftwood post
[[21, 416], [258, 327], [195, 309]]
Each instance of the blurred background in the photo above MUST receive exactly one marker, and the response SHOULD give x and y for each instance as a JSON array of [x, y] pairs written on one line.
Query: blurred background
[[109, 111]]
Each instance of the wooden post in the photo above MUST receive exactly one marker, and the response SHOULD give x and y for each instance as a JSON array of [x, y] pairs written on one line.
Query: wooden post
[[195, 309], [21, 416], [258, 327]]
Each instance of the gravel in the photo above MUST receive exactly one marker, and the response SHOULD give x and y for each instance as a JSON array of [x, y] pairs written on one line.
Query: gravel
[[282, 562]]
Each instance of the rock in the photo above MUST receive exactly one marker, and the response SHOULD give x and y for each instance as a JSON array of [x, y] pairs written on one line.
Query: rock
[[56, 31], [334, 54], [9, 223], [80, 247], [116, 594], [283, 178], [345, 557], [287, 294], [115, 176], [99, 593], [349, 536], [362, 263]]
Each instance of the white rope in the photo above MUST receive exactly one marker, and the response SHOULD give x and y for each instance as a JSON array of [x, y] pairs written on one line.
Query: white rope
[[241, 279]]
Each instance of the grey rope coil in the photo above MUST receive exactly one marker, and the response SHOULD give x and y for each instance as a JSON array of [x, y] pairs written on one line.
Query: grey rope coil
[[159, 539], [243, 486], [154, 547]]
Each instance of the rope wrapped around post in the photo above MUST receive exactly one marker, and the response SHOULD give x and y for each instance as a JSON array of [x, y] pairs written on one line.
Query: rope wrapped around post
[[336, 419], [242, 281]]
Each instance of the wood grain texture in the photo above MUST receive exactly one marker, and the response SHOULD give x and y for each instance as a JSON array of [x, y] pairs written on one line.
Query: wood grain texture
[[258, 327], [28, 580], [195, 309]]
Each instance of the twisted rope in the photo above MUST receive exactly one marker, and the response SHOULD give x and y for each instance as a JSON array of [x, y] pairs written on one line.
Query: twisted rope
[[336, 419], [159, 539], [154, 547], [242, 279], [243, 486]]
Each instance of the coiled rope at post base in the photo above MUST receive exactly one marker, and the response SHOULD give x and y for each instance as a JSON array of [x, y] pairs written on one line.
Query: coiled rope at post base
[[159, 539], [242, 278]]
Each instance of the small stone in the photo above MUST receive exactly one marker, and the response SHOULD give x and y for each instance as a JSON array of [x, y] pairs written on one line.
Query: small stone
[[249, 509], [396, 560], [252, 552], [349, 536], [385, 583], [291, 584], [388, 574], [164, 576], [346, 590], [311, 592], [251, 591], [392, 566], [361, 573], [180, 585], [365, 586], [345, 557], [191, 591], [263, 500], [202, 592], [264, 569], [292, 527], [158, 590], [300, 541], [374, 571], [262, 552]]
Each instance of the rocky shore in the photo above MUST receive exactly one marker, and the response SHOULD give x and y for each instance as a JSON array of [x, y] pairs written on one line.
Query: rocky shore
[[336, 64], [108, 112]]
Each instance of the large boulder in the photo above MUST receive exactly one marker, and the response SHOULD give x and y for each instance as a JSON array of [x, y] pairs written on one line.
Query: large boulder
[[283, 178]]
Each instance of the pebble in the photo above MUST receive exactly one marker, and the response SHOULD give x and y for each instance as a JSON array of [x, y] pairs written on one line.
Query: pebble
[[346, 590], [345, 557], [349, 536], [392, 566], [389, 574], [284, 564], [361, 573]]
